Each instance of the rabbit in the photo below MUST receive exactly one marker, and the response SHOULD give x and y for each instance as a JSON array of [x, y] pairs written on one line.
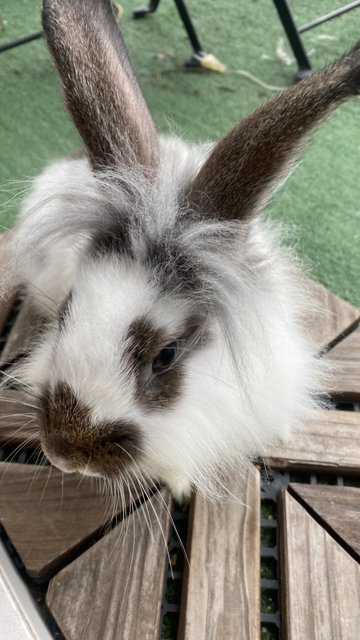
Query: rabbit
[[174, 349]]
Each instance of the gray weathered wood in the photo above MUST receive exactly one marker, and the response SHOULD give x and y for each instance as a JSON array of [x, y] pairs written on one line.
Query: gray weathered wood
[[18, 419], [337, 506], [330, 443], [330, 316], [48, 514], [320, 581], [346, 357], [114, 590], [222, 589], [18, 413]]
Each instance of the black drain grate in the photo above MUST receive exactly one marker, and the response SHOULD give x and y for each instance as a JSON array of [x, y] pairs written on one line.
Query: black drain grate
[[170, 608], [269, 558]]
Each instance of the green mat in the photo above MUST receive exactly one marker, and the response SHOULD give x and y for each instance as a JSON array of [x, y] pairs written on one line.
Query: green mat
[[321, 199]]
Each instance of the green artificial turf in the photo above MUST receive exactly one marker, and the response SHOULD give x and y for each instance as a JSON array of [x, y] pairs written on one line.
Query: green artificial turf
[[320, 201]]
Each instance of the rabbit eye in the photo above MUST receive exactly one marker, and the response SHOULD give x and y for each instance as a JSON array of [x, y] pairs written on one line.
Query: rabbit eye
[[165, 358]]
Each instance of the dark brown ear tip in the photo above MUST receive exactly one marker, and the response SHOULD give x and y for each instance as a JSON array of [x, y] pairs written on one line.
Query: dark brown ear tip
[[352, 79], [45, 15]]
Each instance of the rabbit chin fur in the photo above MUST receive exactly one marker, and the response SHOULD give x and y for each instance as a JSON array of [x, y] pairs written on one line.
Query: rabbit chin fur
[[256, 378]]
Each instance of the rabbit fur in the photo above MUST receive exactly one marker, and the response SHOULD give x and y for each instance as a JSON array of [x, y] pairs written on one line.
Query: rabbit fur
[[174, 348]]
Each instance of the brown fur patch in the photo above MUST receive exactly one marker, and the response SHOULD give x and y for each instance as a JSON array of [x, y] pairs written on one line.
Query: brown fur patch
[[115, 239], [144, 342], [67, 433]]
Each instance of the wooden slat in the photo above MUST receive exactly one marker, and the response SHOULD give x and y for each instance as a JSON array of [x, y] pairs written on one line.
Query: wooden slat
[[320, 581], [331, 318], [47, 514], [18, 420], [14, 412], [221, 591], [114, 590], [330, 443], [346, 357], [338, 507]]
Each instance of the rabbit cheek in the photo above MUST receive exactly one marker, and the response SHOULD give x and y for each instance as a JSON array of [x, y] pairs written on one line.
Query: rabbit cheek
[[73, 443]]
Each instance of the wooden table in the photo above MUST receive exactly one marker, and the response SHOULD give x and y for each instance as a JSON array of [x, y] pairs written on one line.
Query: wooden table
[[97, 578]]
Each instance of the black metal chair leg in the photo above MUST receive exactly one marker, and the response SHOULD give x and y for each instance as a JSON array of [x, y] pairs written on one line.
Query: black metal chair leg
[[141, 12], [286, 18], [20, 41], [194, 61], [189, 27]]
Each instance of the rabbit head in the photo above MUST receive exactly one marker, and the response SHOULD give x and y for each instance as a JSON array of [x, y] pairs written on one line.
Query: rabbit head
[[174, 346]]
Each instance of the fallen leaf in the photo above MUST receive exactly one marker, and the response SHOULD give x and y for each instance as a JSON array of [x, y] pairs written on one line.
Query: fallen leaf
[[164, 54], [118, 11]]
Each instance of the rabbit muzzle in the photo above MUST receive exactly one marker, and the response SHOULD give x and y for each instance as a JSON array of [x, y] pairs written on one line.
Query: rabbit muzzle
[[73, 443]]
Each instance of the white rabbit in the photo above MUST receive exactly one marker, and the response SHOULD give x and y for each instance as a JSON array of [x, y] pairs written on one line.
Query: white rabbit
[[174, 348]]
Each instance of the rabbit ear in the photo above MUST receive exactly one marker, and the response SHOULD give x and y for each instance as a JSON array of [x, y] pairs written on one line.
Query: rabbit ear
[[239, 176], [99, 85]]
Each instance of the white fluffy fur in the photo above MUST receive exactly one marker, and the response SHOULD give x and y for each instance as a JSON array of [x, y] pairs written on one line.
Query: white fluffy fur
[[257, 379]]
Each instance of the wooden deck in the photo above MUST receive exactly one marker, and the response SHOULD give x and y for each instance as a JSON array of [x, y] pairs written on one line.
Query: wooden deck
[[97, 577]]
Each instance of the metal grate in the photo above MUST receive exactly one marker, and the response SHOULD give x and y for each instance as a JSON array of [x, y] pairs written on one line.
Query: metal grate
[[170, 608]]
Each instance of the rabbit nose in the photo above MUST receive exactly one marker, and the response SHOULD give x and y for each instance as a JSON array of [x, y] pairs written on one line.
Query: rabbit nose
[[60, 461], [74, 442], [104, 448]]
